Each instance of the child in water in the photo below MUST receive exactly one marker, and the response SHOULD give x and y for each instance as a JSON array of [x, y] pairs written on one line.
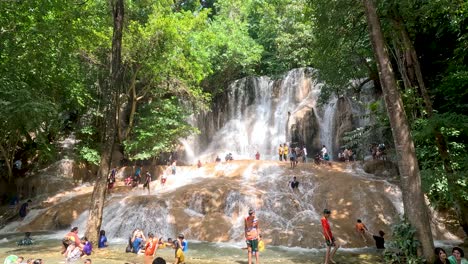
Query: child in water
[[102, 239], [26, 241], [87, 246]]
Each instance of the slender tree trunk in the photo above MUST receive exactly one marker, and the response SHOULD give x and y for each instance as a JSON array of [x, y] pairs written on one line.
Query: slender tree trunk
[[134, 102], [110, 97], [8, 163], [413, 199]]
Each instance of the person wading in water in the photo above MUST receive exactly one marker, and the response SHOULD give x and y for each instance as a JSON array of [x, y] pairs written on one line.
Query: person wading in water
[[252, 232]]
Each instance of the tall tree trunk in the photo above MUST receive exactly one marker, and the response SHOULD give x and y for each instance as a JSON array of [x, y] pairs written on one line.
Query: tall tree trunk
[[413, 198], [413, 74], [112, 91], [8, 163]]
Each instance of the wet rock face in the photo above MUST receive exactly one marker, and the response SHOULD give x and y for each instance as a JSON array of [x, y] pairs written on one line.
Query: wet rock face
[[211, 203], [306, 129], [383, 168], [343, 121]]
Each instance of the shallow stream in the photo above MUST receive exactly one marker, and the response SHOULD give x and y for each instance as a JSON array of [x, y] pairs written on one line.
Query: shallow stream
[[47, 247]]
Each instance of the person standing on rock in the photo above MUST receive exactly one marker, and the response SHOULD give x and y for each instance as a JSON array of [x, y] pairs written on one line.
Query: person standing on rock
[[147, 181], [24, 209], [324, 151], [280, 152], [329, 239], [111, 179], [285, 152], [304, 151]]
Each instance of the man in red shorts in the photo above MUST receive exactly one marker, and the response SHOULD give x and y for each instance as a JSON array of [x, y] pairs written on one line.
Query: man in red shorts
[[329, 239]]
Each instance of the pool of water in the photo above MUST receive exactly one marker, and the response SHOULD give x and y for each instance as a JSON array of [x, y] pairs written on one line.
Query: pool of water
[[47, 247]]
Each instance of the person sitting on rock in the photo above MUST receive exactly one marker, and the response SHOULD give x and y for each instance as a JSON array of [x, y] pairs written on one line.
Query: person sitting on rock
[[26, 241]]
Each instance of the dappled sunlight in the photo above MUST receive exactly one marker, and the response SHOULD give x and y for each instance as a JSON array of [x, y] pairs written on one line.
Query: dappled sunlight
[[211, 202]]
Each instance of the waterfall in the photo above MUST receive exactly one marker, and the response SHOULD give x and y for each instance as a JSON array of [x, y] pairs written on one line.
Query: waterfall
[[326, 126], [261, 113]]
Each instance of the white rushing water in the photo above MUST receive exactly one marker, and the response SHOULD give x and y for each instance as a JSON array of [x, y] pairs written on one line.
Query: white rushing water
[[261, 113]]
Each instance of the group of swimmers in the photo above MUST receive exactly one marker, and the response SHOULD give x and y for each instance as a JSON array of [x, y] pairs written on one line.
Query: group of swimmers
[[139, 244], [74, 247]]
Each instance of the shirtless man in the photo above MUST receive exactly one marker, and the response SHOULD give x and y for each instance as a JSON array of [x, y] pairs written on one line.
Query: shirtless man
[[252, 233]]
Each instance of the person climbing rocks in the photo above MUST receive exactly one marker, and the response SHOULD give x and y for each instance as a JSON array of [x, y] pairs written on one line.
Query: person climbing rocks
[[147, 181], [294, 183], [361, 228], [24, 209]]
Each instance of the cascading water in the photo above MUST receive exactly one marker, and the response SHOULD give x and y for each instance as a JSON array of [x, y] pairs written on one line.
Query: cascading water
[[261, 114], [326, 126]]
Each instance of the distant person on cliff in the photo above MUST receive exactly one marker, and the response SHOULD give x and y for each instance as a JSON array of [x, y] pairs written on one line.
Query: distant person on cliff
[[280, 152], [147, 181], [24, 209], [285, 152], [257, 155], [252, 233], [298, 151], [329, 239], [199, 164], [137, 177], [111, 179], [174, 167], [304, 151], [218, 159], [379, 240], [292, 158], [361, 228], [163, 179], [324, 151]]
